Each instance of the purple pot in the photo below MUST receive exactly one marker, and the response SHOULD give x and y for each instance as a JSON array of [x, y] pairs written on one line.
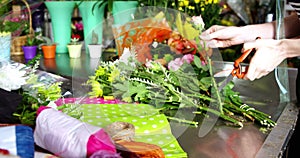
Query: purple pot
[[29, 52]]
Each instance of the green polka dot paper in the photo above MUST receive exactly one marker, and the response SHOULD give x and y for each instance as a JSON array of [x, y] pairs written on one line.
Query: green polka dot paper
[[150, 126]]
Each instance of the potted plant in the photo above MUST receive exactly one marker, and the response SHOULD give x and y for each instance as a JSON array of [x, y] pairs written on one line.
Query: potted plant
[[74, 47], [48, 48], [30, 47], [6, 29], [95, 49]]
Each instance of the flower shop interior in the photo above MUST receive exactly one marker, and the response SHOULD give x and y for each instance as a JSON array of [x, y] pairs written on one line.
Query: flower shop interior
[[119, 78]]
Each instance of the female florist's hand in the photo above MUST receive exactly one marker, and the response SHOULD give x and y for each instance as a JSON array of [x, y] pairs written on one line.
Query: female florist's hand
[[225, 36], [269, 54]]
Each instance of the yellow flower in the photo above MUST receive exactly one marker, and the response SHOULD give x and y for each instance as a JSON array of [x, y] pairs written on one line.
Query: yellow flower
[[216, 1], [181, 4], [197, 1], [100, 71], [186, 2], [180, 9], [96, 89]]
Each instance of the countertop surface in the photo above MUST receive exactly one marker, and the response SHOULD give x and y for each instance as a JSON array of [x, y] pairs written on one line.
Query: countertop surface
[[221, 140]]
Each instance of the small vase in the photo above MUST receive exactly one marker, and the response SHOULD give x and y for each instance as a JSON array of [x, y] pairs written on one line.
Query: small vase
[[5, 47], [49, 51], [74, 50], [95, 51], [29, 52]]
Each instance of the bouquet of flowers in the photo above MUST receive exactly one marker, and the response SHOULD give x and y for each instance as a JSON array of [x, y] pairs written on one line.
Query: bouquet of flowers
[[176, 77]]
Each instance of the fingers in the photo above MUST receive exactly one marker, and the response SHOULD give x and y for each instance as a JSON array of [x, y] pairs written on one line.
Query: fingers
[[211, 33]]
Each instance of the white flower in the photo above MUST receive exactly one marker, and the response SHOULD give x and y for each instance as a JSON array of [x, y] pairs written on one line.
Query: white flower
[[198, 21], [12, 77], [127, 57]]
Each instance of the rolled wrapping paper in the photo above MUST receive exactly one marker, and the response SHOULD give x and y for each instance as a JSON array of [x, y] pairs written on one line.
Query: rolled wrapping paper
[[66, 136]]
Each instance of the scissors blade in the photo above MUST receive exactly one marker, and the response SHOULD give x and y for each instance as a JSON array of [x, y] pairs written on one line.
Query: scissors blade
[[228, 79]]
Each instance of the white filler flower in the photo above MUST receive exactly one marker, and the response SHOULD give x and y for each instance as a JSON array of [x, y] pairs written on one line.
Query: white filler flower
[[11, 76]]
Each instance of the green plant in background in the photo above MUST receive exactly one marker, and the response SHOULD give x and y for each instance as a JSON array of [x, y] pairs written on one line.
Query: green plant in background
[[209, 9]]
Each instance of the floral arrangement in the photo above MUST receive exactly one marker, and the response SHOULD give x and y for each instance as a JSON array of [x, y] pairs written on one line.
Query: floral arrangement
[[189, 87], [183, 81]]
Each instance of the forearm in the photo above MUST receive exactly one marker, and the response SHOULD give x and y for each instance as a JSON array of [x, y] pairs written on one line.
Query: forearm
[[268, 30], [291, 47]]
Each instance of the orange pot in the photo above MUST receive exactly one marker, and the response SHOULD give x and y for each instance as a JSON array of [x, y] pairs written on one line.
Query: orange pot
[[49, 51]]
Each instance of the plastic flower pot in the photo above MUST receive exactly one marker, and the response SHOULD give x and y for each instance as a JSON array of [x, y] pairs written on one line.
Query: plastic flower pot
[[29, 52], [49, 51], [95, 51], [74, 50], [5, 42]]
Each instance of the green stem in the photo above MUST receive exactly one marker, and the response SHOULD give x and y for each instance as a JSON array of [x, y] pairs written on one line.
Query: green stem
[[214, 84], [183, 121]]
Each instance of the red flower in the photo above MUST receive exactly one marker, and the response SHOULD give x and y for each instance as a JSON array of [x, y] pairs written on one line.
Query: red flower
[[180, 45], [75, 36]]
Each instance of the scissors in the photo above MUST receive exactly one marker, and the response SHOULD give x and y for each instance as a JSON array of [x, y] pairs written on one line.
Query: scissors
[[237, 70]]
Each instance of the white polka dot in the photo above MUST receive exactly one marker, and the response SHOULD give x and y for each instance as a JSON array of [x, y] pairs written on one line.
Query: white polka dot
[[134, 120], [98, 116], [105, 110], [113, 112], [107, 119], [168, 137], [144, 123], [172, 145], [161, 121], [125, 118], [137, 127], [164, 131], [122, 114], [99, 123], [146, 132], [154, 126], [142, 116], [151, 119], [90, 120], [89, 114], [160, 142], [169, 155], [149, 139]]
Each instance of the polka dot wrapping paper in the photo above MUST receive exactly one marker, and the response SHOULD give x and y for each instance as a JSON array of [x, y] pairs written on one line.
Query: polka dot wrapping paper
[[150, 126]]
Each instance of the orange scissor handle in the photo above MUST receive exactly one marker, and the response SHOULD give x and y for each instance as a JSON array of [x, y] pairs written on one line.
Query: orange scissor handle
[[237, 70]]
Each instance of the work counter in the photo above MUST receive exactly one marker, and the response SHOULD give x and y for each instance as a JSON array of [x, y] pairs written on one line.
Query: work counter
[[222, 140]]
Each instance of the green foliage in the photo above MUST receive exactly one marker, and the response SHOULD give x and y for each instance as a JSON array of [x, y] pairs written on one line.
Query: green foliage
[[38, 94], [170, 91]]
